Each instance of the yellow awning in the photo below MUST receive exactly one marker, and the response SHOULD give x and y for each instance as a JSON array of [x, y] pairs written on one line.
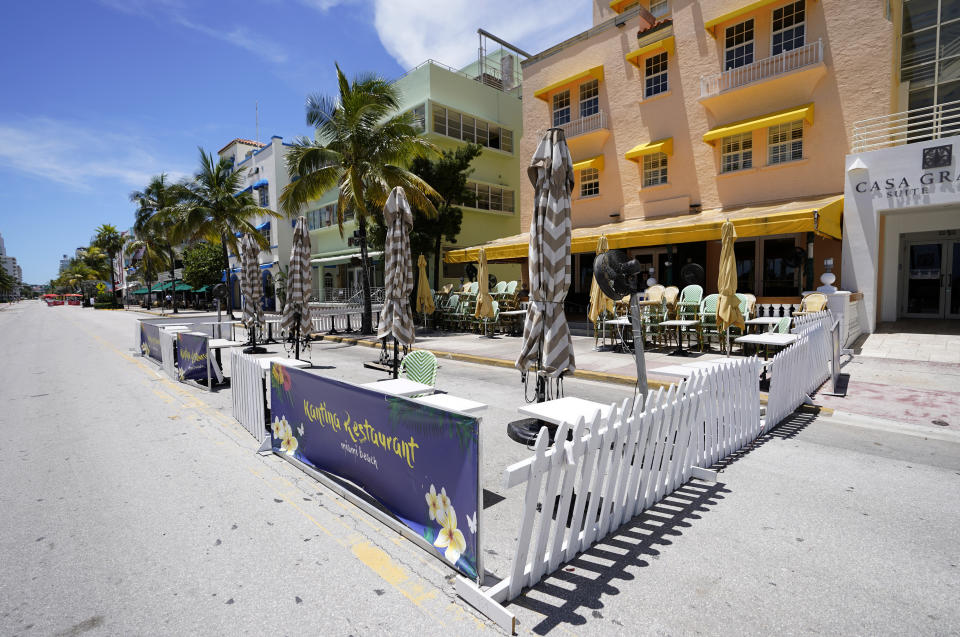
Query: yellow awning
[[667, 44], [620, 5], [593, 162], [710, 25], [804, 112], [596, 73], [822, 215], [664, 146]]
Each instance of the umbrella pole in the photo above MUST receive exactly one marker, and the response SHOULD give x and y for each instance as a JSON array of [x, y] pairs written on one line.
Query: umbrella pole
[[396, 363], [296, 335]]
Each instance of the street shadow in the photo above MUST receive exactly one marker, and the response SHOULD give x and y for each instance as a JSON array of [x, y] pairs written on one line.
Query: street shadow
[[788, 428], [563, 596]]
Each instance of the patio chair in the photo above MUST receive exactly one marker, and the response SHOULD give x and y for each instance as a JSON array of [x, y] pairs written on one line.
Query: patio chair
[[420, 366], [670, 296], [708, 319], [744, 308], [751, 305], [499, 290], [599, 328], [652, 314], [783, 326], [490, 323], [811, 303], [688, 307], [447, 289], [448, 313]]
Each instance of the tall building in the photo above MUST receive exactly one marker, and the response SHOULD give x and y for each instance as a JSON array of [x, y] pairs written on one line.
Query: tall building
[[64, 263], [679, 115], [479, 103], [3, 249], [264, 174]]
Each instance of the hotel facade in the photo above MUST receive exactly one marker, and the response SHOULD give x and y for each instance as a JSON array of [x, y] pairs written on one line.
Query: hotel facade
[[679, 116]]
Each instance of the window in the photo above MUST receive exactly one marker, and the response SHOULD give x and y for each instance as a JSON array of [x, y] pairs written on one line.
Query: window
[[654, 169], [736, 152], [655, 77], [930, 57], [470, 129], [779, 277], [589, 182], [589, 98], [490, 197], [785, 142], [738, 45], [788, 27], [264, 197], [561, 108], [659, 8]]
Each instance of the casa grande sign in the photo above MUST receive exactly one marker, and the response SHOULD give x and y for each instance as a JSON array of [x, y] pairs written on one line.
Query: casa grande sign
[[902, 186]]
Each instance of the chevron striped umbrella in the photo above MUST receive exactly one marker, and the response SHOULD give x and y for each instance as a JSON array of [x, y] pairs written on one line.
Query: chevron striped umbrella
[[250, 284], [296, 311], [396, 319], [546, 336]]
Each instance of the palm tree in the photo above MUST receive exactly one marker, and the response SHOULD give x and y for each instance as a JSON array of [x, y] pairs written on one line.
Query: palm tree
[[148, 251], [217, 211], [110, 241], [159, 209], [362, 147]]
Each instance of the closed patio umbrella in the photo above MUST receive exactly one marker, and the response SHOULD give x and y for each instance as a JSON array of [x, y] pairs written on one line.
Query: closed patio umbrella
[[546, 336], [728, 308], [599, 302], [396, 320], [424, 298], [484, 309], [250, 287], [295, 321]]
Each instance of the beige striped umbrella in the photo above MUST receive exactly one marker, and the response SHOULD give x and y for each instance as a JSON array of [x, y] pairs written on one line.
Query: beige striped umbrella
[[546, 335], [424, 298], [484, 307], [396, 320], [728, 308], [250, 284]]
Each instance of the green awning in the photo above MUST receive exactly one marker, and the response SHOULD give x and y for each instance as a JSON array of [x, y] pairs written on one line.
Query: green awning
[[183, 287], [159, 287], [203, 289], [141, 291]]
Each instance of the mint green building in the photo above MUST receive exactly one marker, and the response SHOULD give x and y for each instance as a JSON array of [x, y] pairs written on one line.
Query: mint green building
[[474, 104]]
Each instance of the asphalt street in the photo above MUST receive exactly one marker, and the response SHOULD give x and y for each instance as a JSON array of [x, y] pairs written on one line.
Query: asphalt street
[[135, 505]]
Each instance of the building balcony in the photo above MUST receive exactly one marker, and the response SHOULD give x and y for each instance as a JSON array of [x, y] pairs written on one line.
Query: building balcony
[[585, 125], [805, 57], [908, 127]]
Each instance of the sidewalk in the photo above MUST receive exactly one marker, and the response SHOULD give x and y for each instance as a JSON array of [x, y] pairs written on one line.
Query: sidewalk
[[918, 392]]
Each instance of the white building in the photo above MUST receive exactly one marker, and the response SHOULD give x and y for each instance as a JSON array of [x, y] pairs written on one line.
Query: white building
[[264, 171], [901, 221], [64, 263]]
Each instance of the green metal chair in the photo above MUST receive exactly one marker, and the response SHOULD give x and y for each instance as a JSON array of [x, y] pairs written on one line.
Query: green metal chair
[[783, 326], [708, 319], [420, 366], [688, 308], [449, 310]]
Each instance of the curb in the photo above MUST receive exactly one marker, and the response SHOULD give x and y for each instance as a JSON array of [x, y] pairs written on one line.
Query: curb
[[603, 377]]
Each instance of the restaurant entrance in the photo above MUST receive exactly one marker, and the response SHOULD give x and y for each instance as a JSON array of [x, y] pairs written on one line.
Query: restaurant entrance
[[930, 274]]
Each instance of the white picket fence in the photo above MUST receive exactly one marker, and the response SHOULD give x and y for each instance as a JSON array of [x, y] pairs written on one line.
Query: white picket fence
[[798, 370], [246, 391], [614, 469]]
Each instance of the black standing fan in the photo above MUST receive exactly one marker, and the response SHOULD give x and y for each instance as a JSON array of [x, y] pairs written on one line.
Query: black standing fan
[[692, 274], [219, 294], [617, 276], [471, 271], [796, 258]]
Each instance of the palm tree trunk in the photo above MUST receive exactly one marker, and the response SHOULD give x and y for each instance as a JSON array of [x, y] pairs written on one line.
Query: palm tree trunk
[[113, 278], [366, 321], [173, 280], [226, 275]]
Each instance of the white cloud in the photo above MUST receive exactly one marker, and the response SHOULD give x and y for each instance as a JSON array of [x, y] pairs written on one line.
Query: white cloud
[[74, 156], [175, 11], [446, 30]]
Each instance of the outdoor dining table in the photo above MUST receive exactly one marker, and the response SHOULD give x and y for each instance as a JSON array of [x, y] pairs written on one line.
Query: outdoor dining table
[[270, 323], [232, 324], [452, 403], [217, 344], [679, 324], [511, 315], [618, 325], [685, 370], [566, 409], [769, 321], [767, 339], [399, 387]]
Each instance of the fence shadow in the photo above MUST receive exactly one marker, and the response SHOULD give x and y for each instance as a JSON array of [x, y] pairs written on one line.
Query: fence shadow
[[580, 583], [788, 428]]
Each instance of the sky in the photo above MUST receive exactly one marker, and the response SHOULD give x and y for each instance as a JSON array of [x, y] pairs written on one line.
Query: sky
[[99, 95]]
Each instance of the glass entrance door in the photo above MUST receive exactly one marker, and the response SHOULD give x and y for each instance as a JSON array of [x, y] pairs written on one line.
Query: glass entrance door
[[953, 280], [924, 279]]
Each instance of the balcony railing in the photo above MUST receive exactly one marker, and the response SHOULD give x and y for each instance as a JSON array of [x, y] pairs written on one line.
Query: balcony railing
[[917, 125], [786, 62], [588, 124]]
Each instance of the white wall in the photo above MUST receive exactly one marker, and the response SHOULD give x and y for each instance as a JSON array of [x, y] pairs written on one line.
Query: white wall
[[892, 182]]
